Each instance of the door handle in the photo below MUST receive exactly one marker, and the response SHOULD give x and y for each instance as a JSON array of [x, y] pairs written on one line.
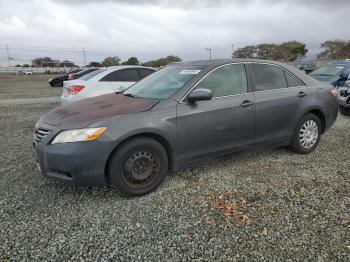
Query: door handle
[[302, 94], [247, 103]]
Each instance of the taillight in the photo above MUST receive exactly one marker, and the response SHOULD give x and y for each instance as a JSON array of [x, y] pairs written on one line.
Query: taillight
[[73, 90], [334, 93]]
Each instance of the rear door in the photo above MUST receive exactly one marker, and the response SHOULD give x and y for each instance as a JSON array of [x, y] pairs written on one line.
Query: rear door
[[222, 124], [280, 98]]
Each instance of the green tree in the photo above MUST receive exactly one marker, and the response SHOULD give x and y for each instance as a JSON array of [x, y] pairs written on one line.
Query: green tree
[[95, 64], [163, 61], [173, 59], [111, 61], [245, 52], [335, 49], [288, 51], [131, 61]]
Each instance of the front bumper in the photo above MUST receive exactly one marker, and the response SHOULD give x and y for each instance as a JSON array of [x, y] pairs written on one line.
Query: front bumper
[[79, 163], [344, 101]]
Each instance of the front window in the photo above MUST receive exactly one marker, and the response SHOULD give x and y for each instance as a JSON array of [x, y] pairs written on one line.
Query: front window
[[328, 70], [226, 80], [164, 83]]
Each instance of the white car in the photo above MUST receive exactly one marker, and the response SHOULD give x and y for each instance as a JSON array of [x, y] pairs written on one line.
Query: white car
[[103, 81]]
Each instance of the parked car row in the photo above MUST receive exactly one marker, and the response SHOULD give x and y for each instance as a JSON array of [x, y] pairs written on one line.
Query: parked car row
[[58, 80], [335, 73], [307, 67], [179, 115], [344, 98], [103, 81]]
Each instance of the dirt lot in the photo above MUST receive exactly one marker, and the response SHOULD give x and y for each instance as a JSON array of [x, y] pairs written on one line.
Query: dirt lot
[[26, 86], [263, 205]]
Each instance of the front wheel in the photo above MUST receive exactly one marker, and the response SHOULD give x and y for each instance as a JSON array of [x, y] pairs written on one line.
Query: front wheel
[[138, 167], [345, 111], [306, 135]]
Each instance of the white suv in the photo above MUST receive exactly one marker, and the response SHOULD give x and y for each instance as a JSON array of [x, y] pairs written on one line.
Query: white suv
[[103, 81]]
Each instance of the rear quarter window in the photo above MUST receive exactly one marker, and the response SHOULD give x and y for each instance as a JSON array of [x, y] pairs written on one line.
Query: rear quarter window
[[292, 81]]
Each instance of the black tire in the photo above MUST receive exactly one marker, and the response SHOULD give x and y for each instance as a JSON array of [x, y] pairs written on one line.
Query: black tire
[[301, 138], [57, 84], [138, 167], [345, 111]]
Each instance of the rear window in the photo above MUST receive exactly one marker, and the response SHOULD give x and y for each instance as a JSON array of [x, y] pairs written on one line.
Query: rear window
[[92, 74], [268, 77], [145, 72], [123, 75]]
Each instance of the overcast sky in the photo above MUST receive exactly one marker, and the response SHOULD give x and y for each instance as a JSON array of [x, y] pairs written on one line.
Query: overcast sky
[[150, 29]]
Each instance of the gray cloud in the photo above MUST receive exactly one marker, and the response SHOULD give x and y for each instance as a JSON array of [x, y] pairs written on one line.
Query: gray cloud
[[335, 4], [152, 28]]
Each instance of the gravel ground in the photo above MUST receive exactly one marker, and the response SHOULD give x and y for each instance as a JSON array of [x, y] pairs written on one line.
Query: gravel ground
[[27, 86], [263, 205]]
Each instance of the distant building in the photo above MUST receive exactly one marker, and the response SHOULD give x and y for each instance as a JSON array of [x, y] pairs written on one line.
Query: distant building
[[45, 63], [4, 62]]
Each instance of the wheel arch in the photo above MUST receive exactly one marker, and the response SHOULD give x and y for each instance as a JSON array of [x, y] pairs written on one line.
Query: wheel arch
[[320, 114], [156, 136]]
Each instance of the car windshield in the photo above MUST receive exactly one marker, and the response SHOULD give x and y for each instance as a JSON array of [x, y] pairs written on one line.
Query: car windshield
[[328, 70], [164, 83], [92, 74]]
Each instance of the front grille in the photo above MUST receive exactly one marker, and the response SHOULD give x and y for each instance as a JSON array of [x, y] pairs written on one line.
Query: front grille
[[40, 134]]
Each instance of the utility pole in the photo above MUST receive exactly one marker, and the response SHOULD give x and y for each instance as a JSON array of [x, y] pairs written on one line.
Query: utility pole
[[209, 49], [84, 56], [8, 55]]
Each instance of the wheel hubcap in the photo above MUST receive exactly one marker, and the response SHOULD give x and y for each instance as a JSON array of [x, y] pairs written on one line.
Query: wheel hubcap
[[141, 167], [308, 134]]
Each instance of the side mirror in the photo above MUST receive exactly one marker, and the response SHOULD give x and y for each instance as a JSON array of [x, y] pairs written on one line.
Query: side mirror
[[200, 95]]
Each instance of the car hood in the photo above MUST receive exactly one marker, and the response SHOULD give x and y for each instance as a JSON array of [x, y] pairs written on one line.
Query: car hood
[[82, 113], [324, 78]]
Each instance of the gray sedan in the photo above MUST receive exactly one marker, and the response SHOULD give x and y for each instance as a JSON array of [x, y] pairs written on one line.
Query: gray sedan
[[182, 114]]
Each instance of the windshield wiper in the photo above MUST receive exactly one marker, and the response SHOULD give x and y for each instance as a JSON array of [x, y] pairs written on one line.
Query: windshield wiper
[[129, 95]]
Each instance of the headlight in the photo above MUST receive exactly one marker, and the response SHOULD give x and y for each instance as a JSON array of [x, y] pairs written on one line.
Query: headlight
[[77, 135]]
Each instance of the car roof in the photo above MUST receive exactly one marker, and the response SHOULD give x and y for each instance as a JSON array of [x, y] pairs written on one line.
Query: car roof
[[218, 62], [126, 66]]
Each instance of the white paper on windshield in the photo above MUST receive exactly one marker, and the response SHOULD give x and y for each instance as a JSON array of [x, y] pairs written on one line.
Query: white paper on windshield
[[189, 72]]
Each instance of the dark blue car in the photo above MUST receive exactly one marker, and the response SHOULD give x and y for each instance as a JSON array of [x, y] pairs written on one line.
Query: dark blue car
[[335, 73]]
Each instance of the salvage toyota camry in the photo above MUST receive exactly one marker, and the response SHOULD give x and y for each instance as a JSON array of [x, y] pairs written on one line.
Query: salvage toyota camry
[[179, 115]]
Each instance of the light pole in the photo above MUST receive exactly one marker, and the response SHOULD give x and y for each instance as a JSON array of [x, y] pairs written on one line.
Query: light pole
[[209, 49], [84, 56]]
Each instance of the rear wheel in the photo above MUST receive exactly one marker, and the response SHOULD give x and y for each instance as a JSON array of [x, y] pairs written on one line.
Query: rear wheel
[[306, 135], [57, 84], [138, 167], [344, 110]]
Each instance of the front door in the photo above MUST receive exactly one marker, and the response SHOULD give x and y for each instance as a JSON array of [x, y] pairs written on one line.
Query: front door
[[222, 124]]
